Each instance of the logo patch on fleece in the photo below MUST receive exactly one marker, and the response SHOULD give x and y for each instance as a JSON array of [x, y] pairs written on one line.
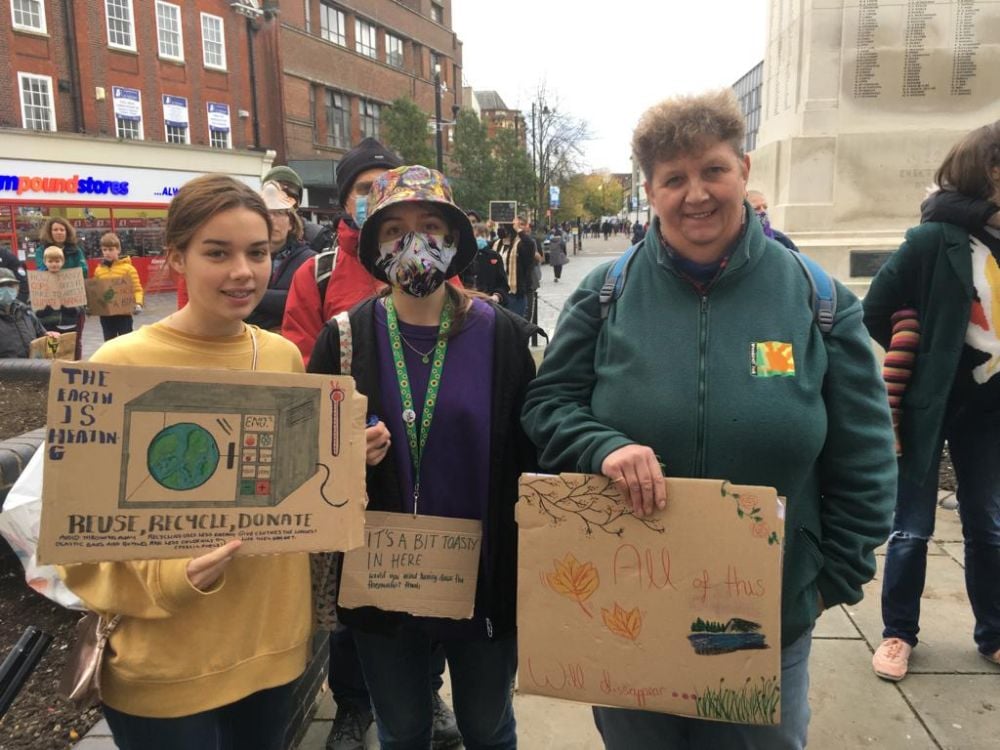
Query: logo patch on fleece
[[771, 359]]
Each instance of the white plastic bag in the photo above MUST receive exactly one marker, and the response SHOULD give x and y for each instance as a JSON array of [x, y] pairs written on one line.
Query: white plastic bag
[[19, 521]]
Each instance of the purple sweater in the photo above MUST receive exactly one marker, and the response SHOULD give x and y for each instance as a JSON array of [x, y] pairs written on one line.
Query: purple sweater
[[454, 472]]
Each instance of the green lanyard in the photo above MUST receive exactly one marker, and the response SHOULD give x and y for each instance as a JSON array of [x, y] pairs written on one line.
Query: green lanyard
[[417, 444]]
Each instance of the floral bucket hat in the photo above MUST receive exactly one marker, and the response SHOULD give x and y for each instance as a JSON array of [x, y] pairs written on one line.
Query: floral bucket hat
[[415, 184]]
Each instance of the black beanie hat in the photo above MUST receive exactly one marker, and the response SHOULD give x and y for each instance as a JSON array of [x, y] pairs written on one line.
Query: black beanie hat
[[366, 155]]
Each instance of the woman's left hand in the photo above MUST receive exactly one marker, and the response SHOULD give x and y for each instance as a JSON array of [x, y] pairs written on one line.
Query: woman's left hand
[[639, 477], [377, 441]]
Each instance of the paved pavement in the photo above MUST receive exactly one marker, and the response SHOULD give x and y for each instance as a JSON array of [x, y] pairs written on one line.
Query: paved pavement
[[950, 700]]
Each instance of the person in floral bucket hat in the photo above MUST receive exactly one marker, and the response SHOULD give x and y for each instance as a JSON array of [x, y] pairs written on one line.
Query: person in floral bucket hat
[[441, 445], [411, 185]]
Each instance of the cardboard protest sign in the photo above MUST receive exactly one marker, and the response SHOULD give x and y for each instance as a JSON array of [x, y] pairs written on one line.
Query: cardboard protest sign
[[63, 289], [155, 462], [54, 347], [679, 612], [110, 296], [424, 565]]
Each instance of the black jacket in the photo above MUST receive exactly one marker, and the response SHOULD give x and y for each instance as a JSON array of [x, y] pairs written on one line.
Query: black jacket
[[489, 276], [271, 310], [958, 209], [511, 454], [18, 328], [526, 250]]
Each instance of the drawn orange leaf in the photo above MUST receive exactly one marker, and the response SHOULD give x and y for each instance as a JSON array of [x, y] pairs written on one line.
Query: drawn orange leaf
[[622, 623], [573, 579]]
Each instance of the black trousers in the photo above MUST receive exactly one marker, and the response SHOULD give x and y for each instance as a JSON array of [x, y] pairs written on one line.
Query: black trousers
[[115, 325]]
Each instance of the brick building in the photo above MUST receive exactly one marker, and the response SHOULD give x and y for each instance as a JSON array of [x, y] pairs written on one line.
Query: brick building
[[140, 93], [498, 116], [342, 63]]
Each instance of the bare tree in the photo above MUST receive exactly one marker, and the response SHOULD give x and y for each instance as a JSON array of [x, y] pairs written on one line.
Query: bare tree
[[557, 140]]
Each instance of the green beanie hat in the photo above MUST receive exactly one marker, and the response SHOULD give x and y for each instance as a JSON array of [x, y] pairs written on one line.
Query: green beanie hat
[[284, 174]]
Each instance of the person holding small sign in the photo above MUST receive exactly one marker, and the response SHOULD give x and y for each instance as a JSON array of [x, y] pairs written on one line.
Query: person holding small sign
[[60, 233], [445, 372], [64, 318], [709, 361], [207, 649], [115, 267]]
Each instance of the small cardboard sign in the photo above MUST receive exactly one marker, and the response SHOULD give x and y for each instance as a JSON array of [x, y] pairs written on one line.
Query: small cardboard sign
[[678, 612], [110, 296], [503, 212], [156, 462], [54, 347], [63, 289], [424, 565]]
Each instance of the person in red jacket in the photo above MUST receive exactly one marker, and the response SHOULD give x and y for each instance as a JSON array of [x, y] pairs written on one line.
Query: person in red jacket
[[316, 293]]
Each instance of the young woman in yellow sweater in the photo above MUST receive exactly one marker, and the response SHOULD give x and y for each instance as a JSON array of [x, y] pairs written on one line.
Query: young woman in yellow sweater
[[207, 648]]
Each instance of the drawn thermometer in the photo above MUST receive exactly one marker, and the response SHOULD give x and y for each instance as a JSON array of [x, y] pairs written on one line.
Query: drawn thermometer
[[337, 395]]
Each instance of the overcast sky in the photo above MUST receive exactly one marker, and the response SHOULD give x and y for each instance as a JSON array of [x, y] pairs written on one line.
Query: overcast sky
[[607, 62]]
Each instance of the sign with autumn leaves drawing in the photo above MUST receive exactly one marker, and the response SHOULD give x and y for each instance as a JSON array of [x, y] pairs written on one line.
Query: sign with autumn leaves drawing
[[678, 612]]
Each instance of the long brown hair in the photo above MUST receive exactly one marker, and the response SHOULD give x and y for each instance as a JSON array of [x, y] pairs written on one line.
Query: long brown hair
[[970, 164], [202, 198], [461, 299], [46, 234]]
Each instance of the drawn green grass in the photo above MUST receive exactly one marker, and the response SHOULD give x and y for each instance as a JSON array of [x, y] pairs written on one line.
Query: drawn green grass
[[707, 626], [754, 703]]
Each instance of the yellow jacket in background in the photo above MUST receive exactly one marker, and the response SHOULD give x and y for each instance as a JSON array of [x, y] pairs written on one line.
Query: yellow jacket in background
[[121, 267]]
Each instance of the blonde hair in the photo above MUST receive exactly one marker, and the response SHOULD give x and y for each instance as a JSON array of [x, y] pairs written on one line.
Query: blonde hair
[[53, 251], [687, 125], [110, 239], [298, 229]]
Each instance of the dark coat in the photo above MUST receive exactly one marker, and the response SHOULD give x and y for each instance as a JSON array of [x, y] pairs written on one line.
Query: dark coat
[[271, 309], [489, 276], [932, 272], [511, 455], [18, 328]]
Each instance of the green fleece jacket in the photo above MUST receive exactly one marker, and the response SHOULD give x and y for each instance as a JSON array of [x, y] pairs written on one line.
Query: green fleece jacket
[[676, 370]]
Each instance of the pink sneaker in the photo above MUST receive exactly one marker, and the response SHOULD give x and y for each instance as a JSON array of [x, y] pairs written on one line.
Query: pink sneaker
[[891, 659]]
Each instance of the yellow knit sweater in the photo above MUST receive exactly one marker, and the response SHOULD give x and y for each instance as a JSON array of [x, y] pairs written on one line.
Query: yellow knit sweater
[[177, 650]]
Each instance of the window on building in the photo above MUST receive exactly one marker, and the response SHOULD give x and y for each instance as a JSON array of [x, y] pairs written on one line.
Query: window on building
[[333, 25], [437, 13], [371, 114], [218, 139], [37, 110], [213, 41], [168, 30], [394, 51], [177, 134], [28, 15], [120, 23], [338, 119], [364, 38], [127, 129]]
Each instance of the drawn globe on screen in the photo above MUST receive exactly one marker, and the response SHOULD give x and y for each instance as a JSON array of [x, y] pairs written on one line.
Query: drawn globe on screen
[[182, 456]]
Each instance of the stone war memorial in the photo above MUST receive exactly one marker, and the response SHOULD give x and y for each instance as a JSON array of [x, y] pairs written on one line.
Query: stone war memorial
[[861, 101]]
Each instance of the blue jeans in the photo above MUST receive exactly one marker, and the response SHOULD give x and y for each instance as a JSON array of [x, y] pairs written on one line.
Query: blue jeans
[[397, 670], [347, 682], [974, 443], [518, 303], [625, 729], [257, 722]]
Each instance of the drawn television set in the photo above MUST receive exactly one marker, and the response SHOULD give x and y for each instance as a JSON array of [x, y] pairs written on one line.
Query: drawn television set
[[218, 446]]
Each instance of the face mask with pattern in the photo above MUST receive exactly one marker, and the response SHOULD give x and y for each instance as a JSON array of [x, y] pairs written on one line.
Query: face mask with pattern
[[416, 262]]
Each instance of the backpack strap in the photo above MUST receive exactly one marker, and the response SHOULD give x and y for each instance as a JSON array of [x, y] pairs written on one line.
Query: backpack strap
[[824, 292], [326, 262], [614, 282]]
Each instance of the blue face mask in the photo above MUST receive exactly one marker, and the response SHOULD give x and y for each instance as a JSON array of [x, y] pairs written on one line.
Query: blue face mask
[[481, 243], [360, 210], [7, 294]]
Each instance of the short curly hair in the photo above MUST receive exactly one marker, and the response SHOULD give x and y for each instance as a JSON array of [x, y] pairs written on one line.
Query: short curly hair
[[687, 124]]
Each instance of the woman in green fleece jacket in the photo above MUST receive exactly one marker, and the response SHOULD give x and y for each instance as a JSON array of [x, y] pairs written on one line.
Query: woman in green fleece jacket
[[710, 361]]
